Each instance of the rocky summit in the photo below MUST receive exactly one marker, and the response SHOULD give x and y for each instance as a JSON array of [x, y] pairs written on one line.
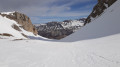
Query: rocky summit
[[21, 19]]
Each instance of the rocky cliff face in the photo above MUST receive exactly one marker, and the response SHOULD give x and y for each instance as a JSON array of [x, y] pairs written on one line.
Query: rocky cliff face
[[99, 9], [23, 20], [58, 30]]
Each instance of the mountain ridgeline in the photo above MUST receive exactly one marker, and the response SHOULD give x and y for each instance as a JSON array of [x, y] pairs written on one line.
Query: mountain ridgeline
[[58, 30], [99, 9]]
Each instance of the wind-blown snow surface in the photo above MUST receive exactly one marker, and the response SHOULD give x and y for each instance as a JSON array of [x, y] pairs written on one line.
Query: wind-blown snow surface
[[103, 52], [106, 24]]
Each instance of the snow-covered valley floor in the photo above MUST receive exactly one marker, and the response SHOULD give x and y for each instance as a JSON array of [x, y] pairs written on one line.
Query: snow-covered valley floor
[[102, 52]]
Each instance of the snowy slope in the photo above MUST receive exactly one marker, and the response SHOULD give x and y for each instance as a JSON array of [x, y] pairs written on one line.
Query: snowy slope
[[106, 24], [6, 27], [103, 52]]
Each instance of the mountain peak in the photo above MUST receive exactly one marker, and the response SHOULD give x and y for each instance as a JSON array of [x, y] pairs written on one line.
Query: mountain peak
[[21, 19]]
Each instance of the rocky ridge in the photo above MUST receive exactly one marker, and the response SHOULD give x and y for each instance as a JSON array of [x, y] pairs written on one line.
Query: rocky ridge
[[21, 19], [99, 9]]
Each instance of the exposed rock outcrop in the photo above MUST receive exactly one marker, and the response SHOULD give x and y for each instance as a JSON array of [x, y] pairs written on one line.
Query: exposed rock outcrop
[[99, 9], [23, 20], [6, 34], [16, 27]]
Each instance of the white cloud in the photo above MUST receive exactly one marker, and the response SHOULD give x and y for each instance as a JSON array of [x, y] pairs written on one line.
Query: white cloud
[[39, 7], [45, 7]]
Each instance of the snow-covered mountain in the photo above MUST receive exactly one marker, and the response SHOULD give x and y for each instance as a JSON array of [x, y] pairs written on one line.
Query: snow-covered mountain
[[15, 24], [74, 25], [58, 30], [105, 24], [100, 50]]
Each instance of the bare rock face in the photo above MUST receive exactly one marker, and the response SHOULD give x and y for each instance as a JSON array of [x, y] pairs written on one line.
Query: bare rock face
[[99, 9], [16, 27], [23, 20]]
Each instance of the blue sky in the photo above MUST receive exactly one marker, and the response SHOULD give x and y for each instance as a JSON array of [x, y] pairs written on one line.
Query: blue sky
[[75, 10], [43, 11]]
